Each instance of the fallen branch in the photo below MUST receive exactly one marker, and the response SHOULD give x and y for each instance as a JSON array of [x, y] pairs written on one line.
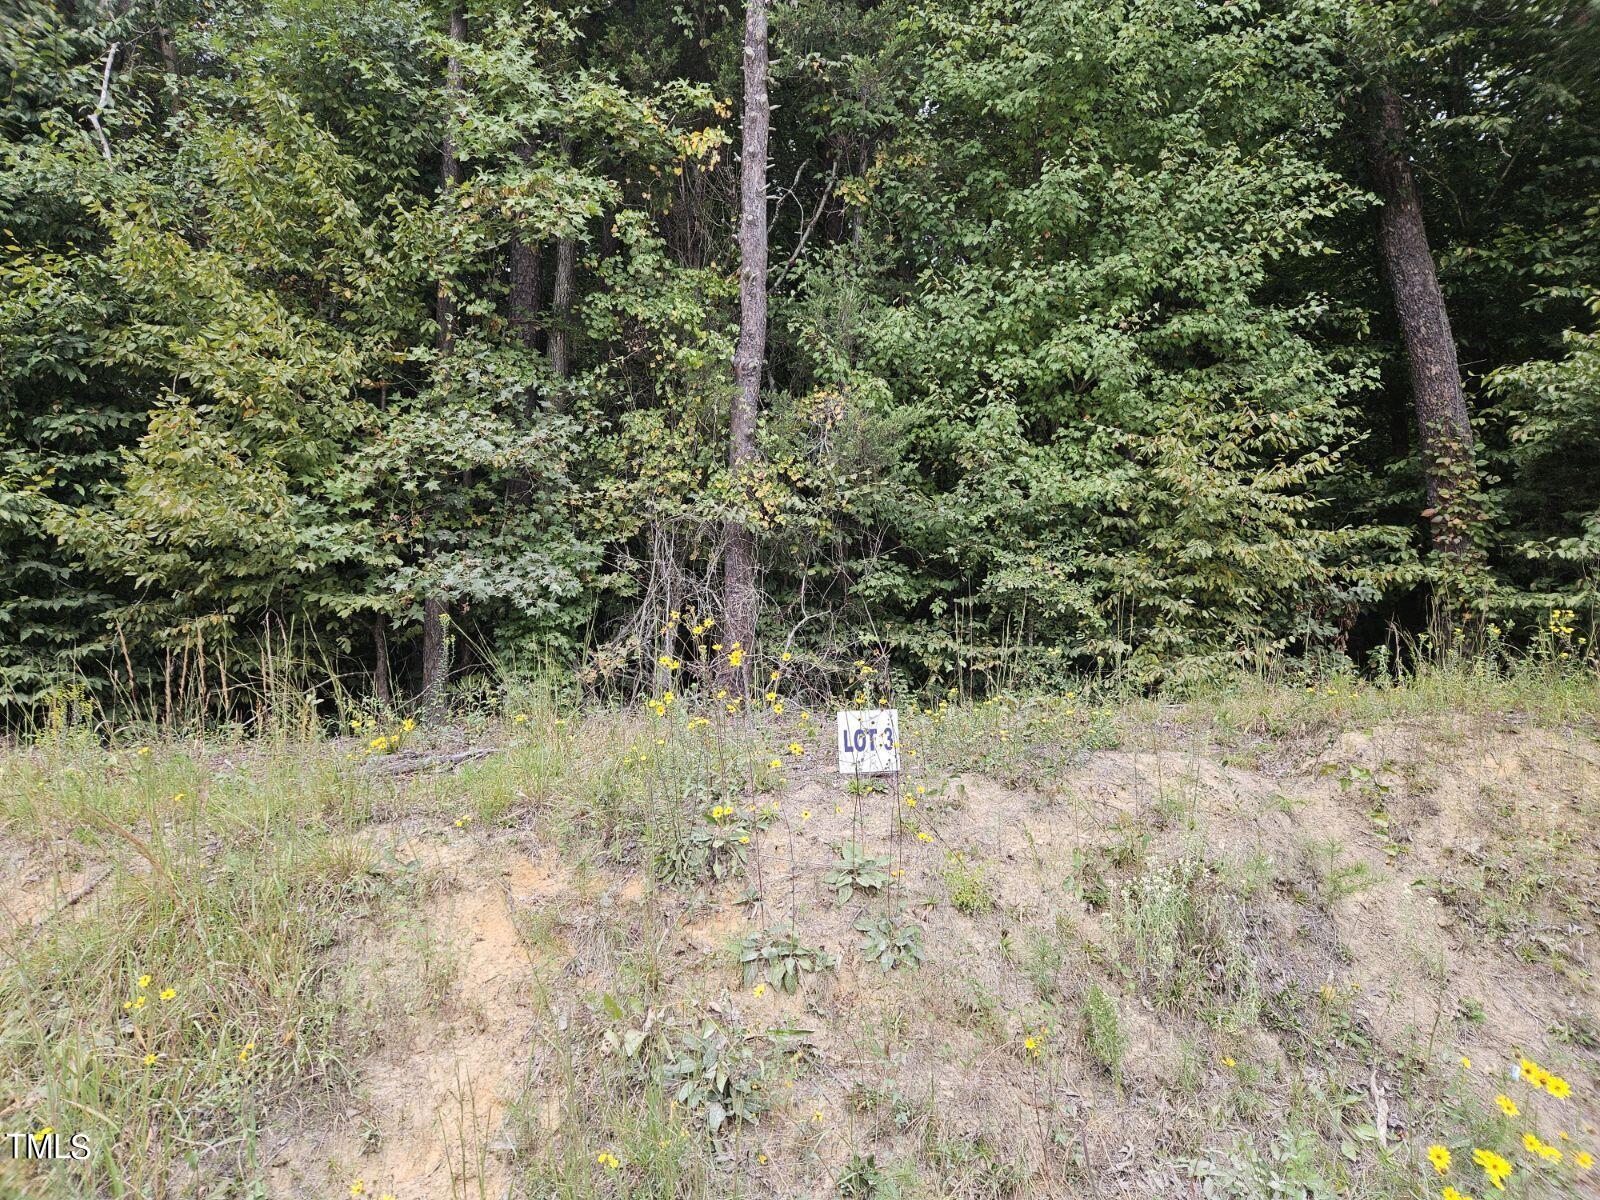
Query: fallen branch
[[77, 896], [403, 764], [82, 892]]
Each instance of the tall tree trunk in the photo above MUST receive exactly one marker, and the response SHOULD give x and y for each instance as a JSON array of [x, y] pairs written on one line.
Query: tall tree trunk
[[1443, 424], [739, 597], [380, 661], [560, 336], [559, 340], [435, 608], [527, 281], [527, 292], [527, 284], [435, 622]]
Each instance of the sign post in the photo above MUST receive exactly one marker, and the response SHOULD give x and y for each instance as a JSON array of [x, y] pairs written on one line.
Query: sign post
[[869, 741]]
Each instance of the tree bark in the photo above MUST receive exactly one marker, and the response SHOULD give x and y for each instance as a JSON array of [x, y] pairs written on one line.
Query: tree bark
[[435, 617], [380, 661], [559, 339], [527, 283], [435, 607], [527, 280], [527, 287], [561, 309], [739, 597], [1443, 424]]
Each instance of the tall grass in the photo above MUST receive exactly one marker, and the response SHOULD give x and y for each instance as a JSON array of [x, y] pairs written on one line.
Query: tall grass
[[158, 1013]]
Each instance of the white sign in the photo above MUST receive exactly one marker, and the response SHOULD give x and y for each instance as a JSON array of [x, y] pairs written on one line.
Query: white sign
[[869, 741]]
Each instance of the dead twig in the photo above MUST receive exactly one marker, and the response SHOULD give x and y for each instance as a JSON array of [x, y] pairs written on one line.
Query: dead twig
[[105, 98], [816, 215], [406, 764], [80, 894]]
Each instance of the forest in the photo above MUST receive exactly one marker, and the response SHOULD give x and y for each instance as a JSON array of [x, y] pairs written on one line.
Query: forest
[[389, 346]]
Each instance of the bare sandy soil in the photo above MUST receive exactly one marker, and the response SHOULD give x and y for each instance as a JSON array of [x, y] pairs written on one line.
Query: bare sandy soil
[[1383, 904]]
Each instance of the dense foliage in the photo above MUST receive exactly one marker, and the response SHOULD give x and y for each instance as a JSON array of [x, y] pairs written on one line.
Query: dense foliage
[[1080, 340]]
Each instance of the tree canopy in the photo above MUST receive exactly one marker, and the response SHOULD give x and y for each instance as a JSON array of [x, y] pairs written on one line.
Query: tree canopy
[[1081, 345]]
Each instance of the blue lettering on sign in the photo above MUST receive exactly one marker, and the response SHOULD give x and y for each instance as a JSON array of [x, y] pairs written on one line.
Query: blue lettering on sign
[[864, 737]]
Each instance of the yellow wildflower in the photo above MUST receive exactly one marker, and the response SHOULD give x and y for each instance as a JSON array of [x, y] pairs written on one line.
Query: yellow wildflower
[[1532, 1144], [1507, 1104], [1439, 1157], [1495, 1168]]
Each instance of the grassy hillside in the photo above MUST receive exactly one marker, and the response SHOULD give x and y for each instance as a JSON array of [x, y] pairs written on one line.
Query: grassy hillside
[[1273, 941]]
